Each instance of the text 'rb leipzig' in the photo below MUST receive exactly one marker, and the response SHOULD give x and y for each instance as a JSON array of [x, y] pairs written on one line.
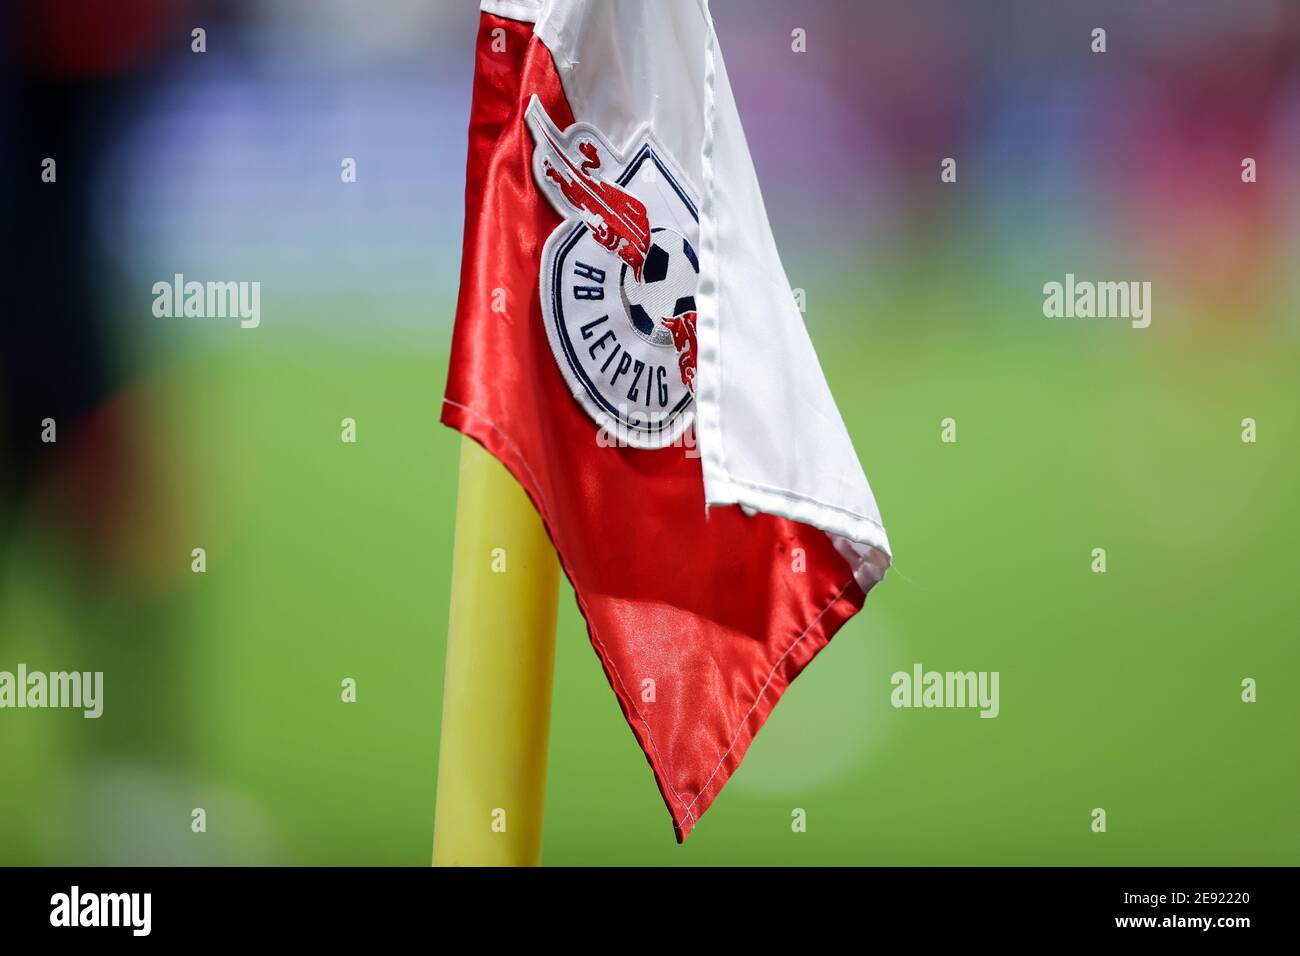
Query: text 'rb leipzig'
[[618, 278]]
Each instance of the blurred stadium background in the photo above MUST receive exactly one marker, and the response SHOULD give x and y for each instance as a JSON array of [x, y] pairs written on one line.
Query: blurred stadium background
[[328, 560]]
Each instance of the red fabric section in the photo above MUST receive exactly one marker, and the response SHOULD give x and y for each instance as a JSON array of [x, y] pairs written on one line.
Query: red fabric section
[[707, 605]]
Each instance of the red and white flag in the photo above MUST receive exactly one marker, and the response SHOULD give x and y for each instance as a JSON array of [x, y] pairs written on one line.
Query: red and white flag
[[628, 345]]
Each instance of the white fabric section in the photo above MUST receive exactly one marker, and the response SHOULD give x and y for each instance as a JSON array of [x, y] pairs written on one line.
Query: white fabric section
[[525, 11], [769, 433], [777, 441], [627, 63]]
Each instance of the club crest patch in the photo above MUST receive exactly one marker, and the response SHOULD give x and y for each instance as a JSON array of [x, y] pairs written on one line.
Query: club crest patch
[[618, 278]]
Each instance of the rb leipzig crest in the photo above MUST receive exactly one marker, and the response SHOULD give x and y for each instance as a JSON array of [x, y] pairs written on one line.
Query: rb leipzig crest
[[618, 278]]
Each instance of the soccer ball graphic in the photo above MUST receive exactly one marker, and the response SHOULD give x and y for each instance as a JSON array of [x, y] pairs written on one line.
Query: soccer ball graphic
[[667, 287]]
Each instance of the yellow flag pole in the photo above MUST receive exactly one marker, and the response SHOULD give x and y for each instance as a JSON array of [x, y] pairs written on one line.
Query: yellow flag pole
[[496, 709]]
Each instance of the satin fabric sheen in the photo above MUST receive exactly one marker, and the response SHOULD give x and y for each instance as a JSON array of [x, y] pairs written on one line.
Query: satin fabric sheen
[[706, 604]]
